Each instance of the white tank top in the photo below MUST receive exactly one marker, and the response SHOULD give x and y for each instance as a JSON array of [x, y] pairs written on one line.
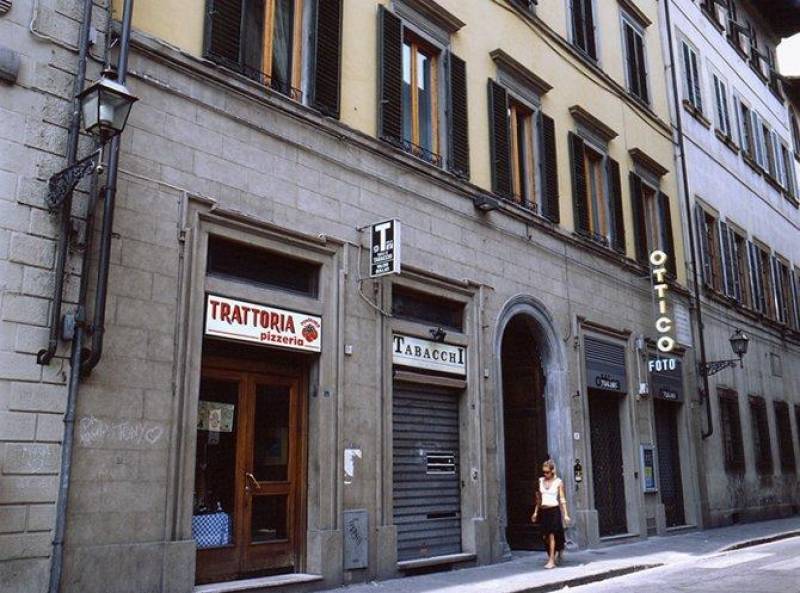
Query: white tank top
[[549, 495]]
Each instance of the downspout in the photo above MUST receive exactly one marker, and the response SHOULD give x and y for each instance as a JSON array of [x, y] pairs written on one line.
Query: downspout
[[44, 356], [690, 226], [97, 327]]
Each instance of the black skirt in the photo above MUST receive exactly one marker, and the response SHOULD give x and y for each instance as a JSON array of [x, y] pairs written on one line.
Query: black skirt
[[550, 522]]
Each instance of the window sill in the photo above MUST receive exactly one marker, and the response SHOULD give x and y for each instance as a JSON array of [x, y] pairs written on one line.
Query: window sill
[[758, 72], [737, 48], [726, 140], [713, 19], [752, 164], [791, 199], [774, 183], [696, 113], [776, 94]]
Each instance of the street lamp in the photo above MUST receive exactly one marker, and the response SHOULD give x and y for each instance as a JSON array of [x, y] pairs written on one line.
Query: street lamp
[[739, 343], [105, 106]]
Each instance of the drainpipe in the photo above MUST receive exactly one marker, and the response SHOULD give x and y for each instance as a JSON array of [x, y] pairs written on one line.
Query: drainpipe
[[690, 226], [44, 356], [97, 327]]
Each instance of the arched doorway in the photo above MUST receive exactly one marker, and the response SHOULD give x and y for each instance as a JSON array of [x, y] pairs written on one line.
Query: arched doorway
[[525, 427]]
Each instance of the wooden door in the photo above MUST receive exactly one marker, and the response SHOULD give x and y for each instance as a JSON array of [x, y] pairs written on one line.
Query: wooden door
[[249, 476]]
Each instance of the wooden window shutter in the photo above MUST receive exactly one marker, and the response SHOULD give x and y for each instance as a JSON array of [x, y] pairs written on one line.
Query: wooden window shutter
[[698, 98], [615, 188], [639, 224], [223, 31], [579, 188], [499, 139], [777, 292], [457, 124], [702, 243], [578, 28], [327, 61], [794, 278], [390, 108], [588, 18], [738, 289], [549, 168], [641, 69], [727, 260], [630, 58], [755, 277], [668, 241]]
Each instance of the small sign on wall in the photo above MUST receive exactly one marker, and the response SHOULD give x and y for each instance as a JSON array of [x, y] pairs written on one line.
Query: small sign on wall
[[384, 248], [356, 542], [649, 479]]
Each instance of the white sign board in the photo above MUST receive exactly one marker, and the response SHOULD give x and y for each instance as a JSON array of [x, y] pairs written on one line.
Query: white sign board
[[426, 354], [384, 248], [262, 324]]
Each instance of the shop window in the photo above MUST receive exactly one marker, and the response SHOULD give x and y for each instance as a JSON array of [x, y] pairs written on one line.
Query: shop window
[[238, 261], [762, 447], [691, 77], [652, 221], [426, 308], [523, 153], [785, 444], [635, 59], [583, 27], [290, 46], [731, 430], [419, 77], [709, 241], [597, 194], [722, 118]]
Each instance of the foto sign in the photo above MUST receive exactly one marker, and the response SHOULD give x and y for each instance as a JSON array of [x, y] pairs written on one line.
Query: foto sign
[[426, 354], [384, 248], [262, 324]]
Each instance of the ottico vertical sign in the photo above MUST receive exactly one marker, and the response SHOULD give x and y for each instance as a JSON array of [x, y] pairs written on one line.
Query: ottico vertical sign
[[658, 271], [384, 248]]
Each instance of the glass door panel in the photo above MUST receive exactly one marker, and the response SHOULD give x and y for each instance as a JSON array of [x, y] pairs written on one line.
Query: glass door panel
[[271, 433]]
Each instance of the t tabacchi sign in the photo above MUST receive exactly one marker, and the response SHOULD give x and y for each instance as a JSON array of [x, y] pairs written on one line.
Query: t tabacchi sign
[[425, 354], [262, 324], [658, 270]]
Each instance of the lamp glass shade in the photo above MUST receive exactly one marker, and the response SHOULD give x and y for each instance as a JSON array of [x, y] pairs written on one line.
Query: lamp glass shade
[[106, 106], [739, 342]]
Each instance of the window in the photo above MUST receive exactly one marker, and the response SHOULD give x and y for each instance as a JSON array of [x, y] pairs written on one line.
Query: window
[[691, 77], [418, 79], [291, 46], [766, 282], [758, 140], [797, 421], [795, 133], [636, 63], [788, 177], [731, 430], [761, 441], [239, 261], [523, 153], [652, 221], [583, 27], [795, 294], [426, 308], [781, 282], [731, 278], [721, 114], [740, 268], [768, 151], [744, 120], [755, 54], [597, 195], [785, 444], [756, 278], [708, 237]]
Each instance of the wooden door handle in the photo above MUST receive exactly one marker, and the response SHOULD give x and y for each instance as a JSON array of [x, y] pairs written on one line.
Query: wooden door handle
[[251, 478]]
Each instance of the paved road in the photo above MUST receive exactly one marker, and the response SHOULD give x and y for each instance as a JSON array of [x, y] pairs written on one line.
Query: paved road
[[769, 568]]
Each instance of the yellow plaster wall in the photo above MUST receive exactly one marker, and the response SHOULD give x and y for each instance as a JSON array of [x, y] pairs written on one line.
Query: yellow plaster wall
[[181, 22]]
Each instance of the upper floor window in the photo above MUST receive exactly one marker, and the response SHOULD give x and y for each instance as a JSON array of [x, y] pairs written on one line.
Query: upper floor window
[[691, 77], [422, 103], [795, 132], [708, 235], [747, 130], [635, 60], [652, 220], [722, 118], [781, 284], [597, 193], [290, 46], [523, 152], [731, 432], [583, 26]]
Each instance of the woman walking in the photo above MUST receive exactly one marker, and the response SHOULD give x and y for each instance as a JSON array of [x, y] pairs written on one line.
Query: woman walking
[[551, 512]]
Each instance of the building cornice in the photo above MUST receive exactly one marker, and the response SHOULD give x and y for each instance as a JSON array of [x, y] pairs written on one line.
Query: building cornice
[[582, 116], [520, 72]]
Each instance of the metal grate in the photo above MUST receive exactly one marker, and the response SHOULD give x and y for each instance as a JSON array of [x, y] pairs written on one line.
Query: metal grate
[[669, 462], [608, 476]]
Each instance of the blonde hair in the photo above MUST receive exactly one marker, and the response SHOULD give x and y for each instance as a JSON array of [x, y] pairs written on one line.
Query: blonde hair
[[551, 465]]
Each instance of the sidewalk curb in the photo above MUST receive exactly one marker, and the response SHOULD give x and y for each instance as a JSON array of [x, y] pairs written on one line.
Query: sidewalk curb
[[588, 579], [761, 540]]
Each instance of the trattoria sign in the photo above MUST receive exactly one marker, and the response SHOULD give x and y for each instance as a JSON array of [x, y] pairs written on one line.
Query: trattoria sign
[[261, 324], [425, 354], [658, 270]]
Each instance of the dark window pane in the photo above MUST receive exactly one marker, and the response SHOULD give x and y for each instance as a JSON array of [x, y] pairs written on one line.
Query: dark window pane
[[417, 306], [253, 36], [229, 259], [282, 45], [425, 101], [271, 440], [270, 518], [407, 129]]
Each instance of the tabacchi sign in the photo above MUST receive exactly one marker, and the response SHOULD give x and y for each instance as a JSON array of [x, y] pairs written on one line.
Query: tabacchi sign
[[658, 259], [424, 354], [249, 322]]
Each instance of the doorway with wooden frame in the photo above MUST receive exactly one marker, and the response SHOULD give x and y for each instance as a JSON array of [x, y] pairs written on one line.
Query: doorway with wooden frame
[[250, 470]]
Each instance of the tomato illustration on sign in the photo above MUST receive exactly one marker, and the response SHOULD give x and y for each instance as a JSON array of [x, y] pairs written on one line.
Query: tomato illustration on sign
[[310, 332]]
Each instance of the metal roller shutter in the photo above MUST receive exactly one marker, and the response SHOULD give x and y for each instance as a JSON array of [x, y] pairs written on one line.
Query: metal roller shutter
[[427, 492]]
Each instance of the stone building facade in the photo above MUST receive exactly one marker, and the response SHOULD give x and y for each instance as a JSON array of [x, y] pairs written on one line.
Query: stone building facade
[[263, 408], [742, 179]]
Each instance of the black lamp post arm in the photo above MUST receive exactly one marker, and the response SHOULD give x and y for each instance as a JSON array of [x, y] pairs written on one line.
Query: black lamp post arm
[[63, 183], [715, 366]]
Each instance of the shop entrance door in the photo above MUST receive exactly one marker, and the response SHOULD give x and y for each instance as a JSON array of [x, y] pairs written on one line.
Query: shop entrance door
[[248, 475], [608, 476], [669, 461]]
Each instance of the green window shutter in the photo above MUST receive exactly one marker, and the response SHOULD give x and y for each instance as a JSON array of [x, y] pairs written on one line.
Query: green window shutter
[[458, 123], [223, 31], [390, 106], [580, 194], [667, 239], [327, 59], [499, 139], [617, 219], [639, 224], [702, 244], [548, 168]]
